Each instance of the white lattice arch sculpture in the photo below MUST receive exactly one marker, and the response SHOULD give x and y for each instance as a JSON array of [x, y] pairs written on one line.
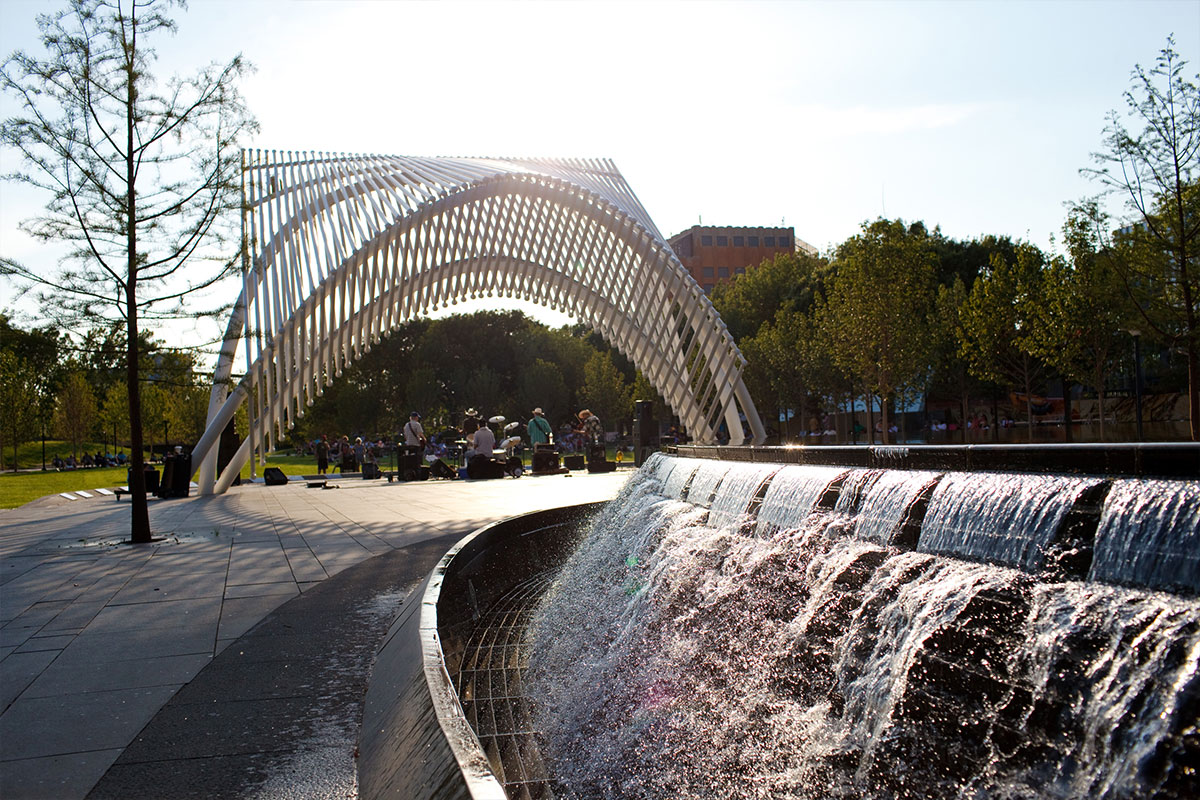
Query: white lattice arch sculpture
[[343, 249]]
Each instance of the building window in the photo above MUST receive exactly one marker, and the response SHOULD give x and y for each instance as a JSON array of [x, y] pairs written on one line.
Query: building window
[[739, 241], [708, 272], [706, 241], [708, 287], [769, 241], [740, 271], [722, 272], [722, 241], [783, 241], [752, 241]]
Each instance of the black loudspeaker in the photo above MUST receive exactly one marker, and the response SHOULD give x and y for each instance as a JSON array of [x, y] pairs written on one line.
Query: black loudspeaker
[[273, 476], [545, 461], [440, 469], [573, 461]]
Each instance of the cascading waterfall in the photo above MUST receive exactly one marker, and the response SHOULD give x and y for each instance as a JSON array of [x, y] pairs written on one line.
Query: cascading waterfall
[[797, 654], [1149, 535], [1004, 519]]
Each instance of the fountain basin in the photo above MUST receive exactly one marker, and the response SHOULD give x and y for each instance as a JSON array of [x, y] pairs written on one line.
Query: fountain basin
[[416, 741], [965, 688]]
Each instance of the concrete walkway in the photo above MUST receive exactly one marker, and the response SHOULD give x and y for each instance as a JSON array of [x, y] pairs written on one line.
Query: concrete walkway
[[96, 636]]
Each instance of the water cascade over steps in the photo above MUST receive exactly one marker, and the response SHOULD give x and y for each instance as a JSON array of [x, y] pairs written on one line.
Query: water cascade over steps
[[764, 631]]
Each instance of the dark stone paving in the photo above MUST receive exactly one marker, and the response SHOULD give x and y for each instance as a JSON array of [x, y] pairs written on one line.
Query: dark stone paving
[[276, 714]]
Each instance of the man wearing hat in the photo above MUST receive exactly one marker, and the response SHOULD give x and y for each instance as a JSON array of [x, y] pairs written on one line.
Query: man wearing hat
[[414, 433], [539, 429], [471, 424]]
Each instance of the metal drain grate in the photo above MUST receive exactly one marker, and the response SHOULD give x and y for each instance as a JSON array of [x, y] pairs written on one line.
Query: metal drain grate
[[492, 696]]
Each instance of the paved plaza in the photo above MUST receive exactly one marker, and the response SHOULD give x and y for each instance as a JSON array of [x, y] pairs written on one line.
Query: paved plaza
[[117, 675]]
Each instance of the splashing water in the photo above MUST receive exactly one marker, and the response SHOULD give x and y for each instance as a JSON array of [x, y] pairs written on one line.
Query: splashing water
[[885, 503], [1002, 518], [705, 480], [1149, 535], [794, 491], [736, 491], [676, 657]]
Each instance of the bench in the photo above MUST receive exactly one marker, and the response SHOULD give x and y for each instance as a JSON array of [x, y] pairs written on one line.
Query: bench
[[120, 490]]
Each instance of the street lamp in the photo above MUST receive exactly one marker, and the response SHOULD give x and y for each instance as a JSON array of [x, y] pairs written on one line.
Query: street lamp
[[1137, 379]]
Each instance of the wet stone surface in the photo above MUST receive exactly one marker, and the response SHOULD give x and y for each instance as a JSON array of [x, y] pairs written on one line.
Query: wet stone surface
[[276, 713]]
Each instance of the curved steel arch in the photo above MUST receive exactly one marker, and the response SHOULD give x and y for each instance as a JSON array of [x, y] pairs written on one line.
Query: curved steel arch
[[342, 249]]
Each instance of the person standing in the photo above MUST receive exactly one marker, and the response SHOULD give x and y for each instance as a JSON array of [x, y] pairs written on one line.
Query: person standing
[[592, 430], [591, 427], [348, 460], [414, 433], [322, 450], [539, 429], [360, 452]]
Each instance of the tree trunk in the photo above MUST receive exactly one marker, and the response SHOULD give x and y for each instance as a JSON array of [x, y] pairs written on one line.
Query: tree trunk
[[870, 418], [1193, 363], [885, 421], [995, 416], [139, 525], [1029, 401], [966, 409], [1067, 432]]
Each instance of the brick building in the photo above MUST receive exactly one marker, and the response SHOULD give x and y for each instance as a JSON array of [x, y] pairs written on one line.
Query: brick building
[[714, 254]]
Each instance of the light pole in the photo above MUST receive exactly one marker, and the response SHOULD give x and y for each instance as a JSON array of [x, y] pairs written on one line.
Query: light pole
[[1137, 379]]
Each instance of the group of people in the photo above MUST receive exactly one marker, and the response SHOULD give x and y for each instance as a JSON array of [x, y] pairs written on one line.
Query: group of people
[[346, 456], [481, 439], [89, 460]]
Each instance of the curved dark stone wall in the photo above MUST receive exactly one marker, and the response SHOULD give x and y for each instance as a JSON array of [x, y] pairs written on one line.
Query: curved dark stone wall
[[414, 741], [1166, 460]]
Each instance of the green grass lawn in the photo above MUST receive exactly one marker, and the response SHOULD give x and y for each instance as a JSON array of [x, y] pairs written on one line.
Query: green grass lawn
[[18, 488]]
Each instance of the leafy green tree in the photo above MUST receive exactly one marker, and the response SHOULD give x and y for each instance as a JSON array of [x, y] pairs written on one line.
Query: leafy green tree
[[789, 282], [75, 412], [995, 324], [18, 399], [965, 259], [1151, 157], [43, 350], [880, 300], [541, 385], [605, 391], [952, 371], [643, 390], [423, 394], [113, 414], [1082, 308], [142, 182]]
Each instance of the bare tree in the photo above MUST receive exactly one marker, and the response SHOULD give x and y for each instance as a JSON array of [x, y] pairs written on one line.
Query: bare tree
[[1157, 170], [143, 178]]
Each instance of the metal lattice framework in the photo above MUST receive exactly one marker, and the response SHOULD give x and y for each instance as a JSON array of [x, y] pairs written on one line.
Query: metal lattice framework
[[343, 249]]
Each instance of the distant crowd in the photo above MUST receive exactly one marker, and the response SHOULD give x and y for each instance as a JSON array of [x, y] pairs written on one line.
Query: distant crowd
[[89, 460]]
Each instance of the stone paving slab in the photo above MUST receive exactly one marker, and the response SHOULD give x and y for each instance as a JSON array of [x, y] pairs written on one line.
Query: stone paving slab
[[97, 638]]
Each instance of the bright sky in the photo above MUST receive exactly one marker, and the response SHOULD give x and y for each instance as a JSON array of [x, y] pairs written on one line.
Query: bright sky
[[975, 116]]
